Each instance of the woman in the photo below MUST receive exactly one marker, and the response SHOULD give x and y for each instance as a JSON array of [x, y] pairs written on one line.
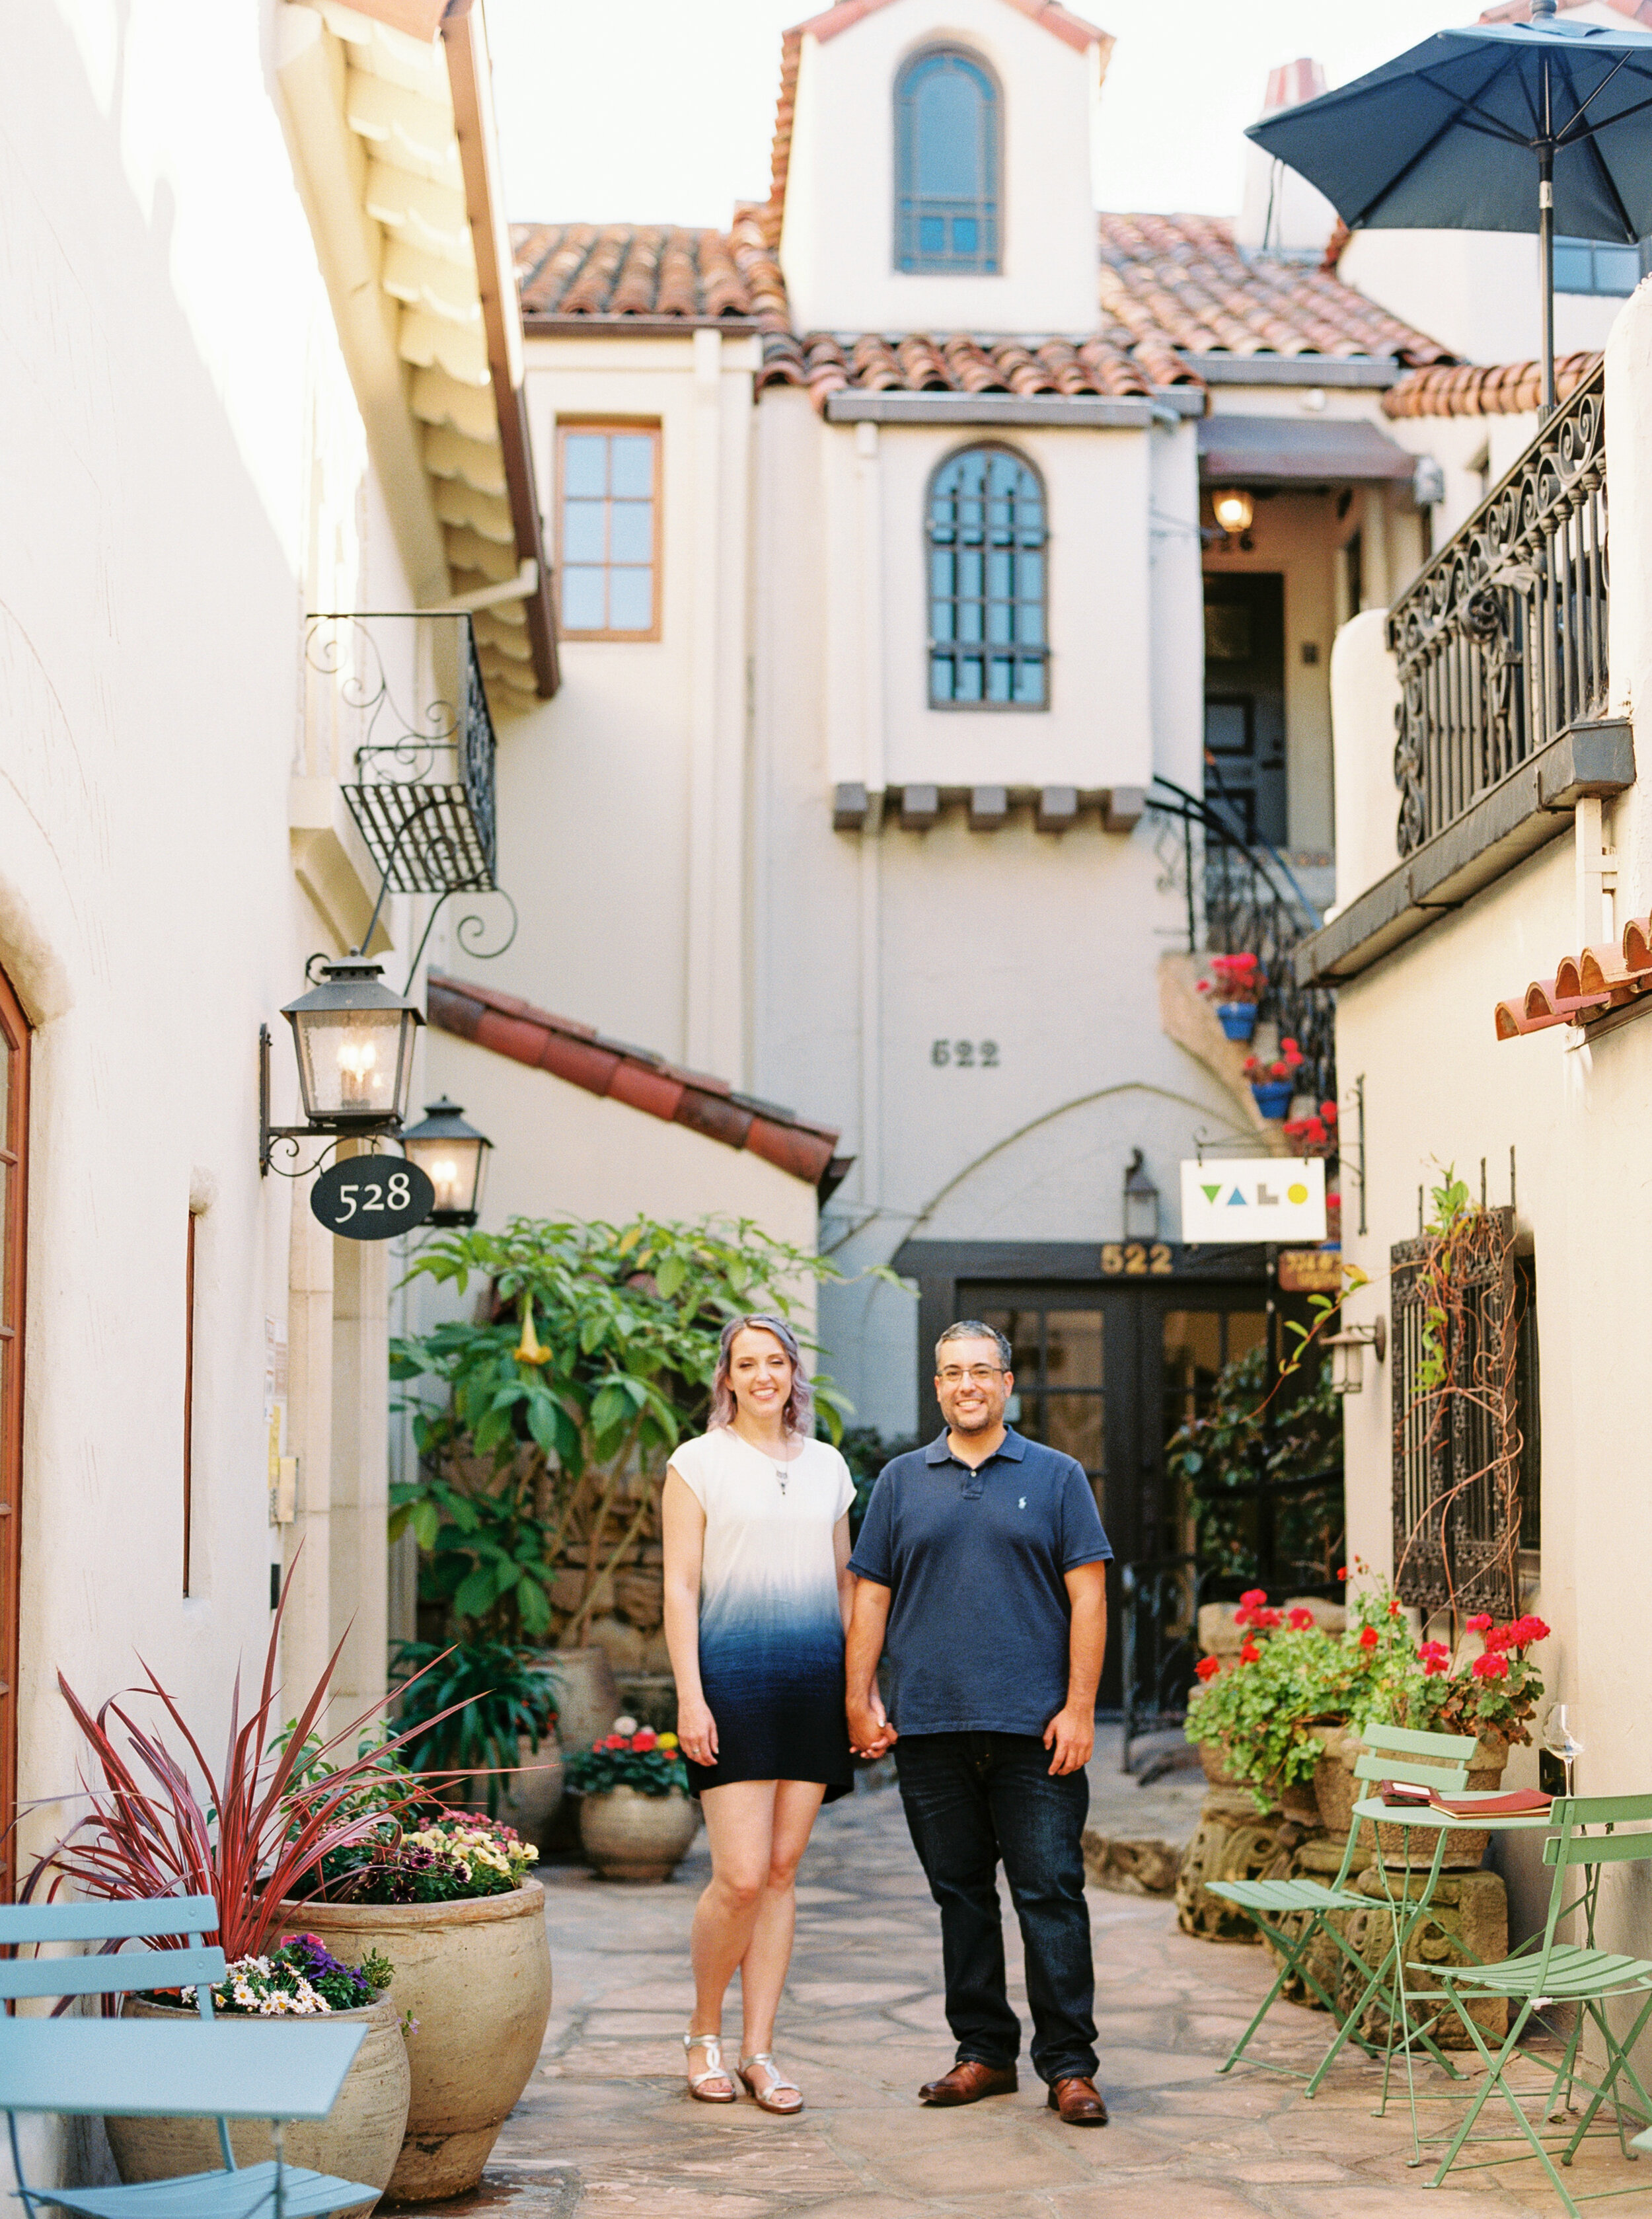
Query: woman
[[756, 1526]]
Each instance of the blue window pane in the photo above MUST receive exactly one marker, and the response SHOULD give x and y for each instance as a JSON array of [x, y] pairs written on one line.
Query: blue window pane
[[1029, 627], [965, 234], [1030, 576], [1030, 684], [583, 523], [1572, 273], [969, 680], [631, 600], [947, 101], [1617, 269], [987, 581], [941, 678], [633, 465], [1000, 583], [583, 601], [585, 463], [632, 530], [1001, 679], [931, 234]]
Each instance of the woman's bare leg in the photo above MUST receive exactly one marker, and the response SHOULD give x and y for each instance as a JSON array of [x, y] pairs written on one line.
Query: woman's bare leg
[[740, 1827], [763, 1968]]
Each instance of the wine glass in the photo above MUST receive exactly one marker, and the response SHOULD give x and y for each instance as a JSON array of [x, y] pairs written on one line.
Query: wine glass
[[1563, 1737]]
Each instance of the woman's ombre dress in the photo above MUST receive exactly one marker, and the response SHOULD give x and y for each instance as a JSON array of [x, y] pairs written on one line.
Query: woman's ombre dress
[[771, 1632]]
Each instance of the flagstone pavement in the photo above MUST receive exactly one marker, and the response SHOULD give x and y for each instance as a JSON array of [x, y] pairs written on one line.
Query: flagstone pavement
[[604, 2130]]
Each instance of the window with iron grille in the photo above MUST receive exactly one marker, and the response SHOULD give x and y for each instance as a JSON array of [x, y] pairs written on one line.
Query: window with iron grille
[[1466, 1473], [946, 164], [987, 545]]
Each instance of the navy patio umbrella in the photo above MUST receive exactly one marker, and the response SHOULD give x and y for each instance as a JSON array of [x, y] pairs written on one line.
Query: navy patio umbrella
[[1498, 127]]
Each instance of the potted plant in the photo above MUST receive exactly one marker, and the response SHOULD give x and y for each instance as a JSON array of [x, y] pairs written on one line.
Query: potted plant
[[1236, 984], [361, 2137], [257, 1826], [449, 1902], [484, 1713], [1273, 1084], [636, 1816]]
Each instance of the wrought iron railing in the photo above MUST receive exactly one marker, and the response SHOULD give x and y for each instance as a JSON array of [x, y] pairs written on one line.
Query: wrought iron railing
[[1502, 642], [1242, 900]]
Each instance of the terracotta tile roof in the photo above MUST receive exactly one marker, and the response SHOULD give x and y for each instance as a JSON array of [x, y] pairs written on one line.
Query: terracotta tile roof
[[603, 271], [827, 363], [1485, 388], [1071, 29], [1179, 282], [1583, 986], [511, 1027]]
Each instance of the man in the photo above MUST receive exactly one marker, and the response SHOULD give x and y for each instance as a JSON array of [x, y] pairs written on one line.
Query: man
[[980, 1564]]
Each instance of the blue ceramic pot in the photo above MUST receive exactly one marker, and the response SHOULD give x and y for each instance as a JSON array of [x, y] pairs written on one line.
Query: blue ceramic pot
[[1273, 1095], [1237, 1019]]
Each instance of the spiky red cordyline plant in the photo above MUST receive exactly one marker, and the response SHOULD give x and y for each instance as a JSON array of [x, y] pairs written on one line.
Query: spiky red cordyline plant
[[261, 1828]]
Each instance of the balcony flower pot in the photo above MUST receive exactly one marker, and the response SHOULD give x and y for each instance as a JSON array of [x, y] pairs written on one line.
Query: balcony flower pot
[[475, 1976], [629, 1835], [1237, 1019], [1273, 1097], [360, 2138]]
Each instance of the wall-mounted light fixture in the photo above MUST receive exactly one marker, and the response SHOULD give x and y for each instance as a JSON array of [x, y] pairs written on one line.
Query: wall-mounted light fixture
[[1234, 509], [454, 1157], [1140, 1201], [1348, 1350], [354, 1040]]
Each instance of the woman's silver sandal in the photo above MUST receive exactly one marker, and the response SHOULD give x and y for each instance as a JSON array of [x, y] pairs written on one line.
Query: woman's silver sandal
[[715, 2069], [763, 2097]]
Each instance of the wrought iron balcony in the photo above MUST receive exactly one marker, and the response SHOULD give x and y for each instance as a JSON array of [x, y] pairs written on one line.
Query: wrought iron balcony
[[1502, 642]]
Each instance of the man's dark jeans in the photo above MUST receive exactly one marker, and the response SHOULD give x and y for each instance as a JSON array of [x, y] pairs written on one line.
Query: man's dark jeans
[[972, 1798]]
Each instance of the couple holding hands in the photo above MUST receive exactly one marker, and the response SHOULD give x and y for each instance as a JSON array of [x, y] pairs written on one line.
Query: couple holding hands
[[980, 1570]]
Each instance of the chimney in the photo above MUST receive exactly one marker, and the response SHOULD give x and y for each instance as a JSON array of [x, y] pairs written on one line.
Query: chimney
[[1281, 213]]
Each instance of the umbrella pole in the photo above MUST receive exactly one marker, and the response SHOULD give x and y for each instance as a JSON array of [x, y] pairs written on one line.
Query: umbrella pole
[[1546, 228]]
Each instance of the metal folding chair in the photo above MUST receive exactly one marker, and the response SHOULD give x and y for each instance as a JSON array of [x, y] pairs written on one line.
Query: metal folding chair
[[274, 2070], [1562, 1972], [1438, 1760]]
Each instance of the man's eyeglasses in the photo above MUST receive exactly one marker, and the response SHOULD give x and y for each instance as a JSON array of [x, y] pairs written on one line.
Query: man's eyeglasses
[[978, 1375]]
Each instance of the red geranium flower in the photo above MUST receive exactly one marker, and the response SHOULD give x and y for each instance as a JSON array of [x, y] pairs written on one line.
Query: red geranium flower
[[1328, 1111], [1480, 1623], [1254, 1595], [1207, 1668], [1299, 1619], [613, 1741], [1491, 1666], [1367, 1638], [647, 1739], [1394, 1607], [1249, 1654]]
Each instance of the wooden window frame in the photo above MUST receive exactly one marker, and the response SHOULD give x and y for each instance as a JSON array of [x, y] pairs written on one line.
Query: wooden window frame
[[1464, 1558], [15, 1038], [188, 1397], [653, 425]]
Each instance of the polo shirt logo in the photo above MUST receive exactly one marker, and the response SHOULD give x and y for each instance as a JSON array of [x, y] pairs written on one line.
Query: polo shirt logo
[[1022, 1504]]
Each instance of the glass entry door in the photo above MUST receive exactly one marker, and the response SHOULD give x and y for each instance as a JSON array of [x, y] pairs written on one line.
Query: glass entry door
[[1107, 1373]]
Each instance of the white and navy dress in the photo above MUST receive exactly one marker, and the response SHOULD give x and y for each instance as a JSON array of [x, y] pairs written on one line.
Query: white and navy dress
[[771, 1632]]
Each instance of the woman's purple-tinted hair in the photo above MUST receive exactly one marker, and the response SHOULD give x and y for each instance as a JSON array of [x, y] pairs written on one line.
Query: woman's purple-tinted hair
[[798, 1415]]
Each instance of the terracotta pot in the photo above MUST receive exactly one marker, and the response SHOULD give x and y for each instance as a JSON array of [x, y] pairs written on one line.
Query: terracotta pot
[[476, 1977], [359, 2140], [628, 1835]]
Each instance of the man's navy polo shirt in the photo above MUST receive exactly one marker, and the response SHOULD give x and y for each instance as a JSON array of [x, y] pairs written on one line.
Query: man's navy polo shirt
[[979, 1615]]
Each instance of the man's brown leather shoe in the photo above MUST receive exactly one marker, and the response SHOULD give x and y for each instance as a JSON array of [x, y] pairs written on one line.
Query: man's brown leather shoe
[[968, 2081], [1078, 2102]]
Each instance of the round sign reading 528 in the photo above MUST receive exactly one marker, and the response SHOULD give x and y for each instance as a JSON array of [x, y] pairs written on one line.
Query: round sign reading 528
[[372, 1197]]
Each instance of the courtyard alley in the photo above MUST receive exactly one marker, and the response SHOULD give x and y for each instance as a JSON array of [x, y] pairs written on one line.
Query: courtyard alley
[[604, 2130]]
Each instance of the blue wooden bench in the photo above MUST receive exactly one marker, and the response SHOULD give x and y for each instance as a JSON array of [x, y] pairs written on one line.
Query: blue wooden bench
[[271, 2069]]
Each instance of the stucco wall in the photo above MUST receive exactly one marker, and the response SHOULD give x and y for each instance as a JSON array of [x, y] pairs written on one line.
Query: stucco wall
[[837, 248]]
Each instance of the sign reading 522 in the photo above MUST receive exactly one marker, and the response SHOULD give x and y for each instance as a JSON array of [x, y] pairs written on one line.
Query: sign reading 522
[[372, 1197]]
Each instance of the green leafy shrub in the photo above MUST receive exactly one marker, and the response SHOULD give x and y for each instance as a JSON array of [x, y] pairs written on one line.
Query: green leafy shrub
[[495, 1697]]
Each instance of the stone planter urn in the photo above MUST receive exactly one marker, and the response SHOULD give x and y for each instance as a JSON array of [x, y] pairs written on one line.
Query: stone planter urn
[[588, 1700], [628, 1835], [359, 2140], [475, 1975]]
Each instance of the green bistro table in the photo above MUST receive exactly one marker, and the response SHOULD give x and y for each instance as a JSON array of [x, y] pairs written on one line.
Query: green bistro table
[[1407, 1917]]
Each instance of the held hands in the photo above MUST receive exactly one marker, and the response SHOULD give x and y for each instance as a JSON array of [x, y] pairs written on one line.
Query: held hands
[[697, 1730], [1071, 1734], [870, 1733]]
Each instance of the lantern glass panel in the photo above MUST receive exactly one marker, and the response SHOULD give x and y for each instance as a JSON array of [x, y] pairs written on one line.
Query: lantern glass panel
[[355, 1063], [455, 1169]]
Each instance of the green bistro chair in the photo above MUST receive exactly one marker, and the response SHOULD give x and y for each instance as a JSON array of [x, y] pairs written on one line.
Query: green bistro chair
[[1550, 1971], [1436, 1761], [274, 2069]]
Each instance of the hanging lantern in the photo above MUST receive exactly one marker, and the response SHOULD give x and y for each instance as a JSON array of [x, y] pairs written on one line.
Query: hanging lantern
[[454, 1157], [354, 1042]]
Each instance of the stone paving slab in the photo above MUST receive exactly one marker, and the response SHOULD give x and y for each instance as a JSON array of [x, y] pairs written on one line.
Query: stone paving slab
[[605, 2131]]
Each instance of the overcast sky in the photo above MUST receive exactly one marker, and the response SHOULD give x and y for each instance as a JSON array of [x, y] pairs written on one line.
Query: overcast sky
[[660, 110]]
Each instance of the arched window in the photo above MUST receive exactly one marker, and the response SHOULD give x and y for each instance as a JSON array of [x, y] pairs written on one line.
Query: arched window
[[988, 583], [946, 164]]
